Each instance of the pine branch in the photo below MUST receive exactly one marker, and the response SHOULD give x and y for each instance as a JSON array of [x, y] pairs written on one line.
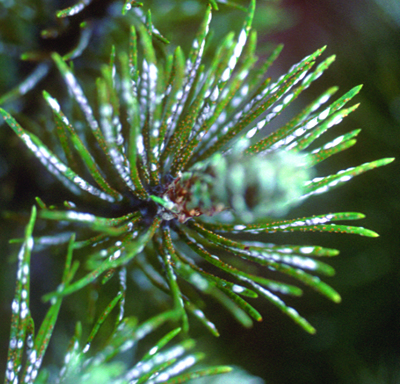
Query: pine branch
[[170, 152]]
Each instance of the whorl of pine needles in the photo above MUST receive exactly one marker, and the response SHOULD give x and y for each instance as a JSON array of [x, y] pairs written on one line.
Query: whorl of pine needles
[[174, 140]]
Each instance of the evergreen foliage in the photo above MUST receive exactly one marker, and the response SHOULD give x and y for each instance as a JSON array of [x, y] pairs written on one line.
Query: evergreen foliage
[[170, 170]]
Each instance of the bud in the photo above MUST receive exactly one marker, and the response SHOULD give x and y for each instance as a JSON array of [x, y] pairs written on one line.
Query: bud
[[252, 187]]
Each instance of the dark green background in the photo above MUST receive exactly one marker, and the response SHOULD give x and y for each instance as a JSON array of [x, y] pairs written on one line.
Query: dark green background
[[358, 340]]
